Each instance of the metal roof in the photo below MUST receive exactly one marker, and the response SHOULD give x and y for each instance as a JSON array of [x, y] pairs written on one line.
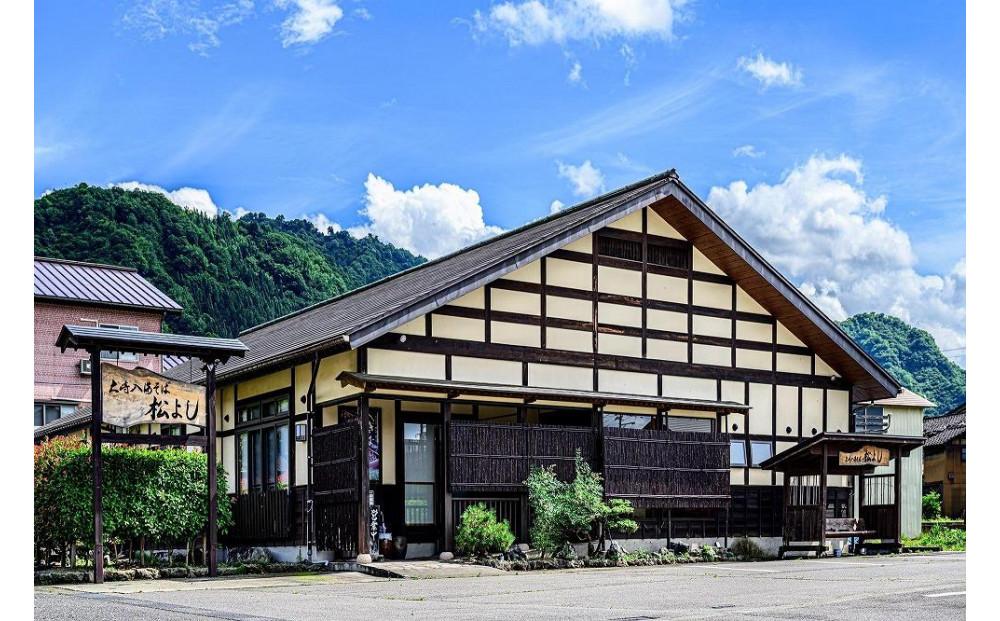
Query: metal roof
[[804, 452], [368, 382], [202, 347], [939, 430], [77, 420], [906, 398], [357, 317], [94, 283]]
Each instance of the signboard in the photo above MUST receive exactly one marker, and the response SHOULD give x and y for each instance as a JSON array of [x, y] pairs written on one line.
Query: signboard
[[133, 396], [867, 455]]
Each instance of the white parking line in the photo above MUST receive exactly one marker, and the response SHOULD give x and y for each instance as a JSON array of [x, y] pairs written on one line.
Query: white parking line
[[944, 594], [871, 564]]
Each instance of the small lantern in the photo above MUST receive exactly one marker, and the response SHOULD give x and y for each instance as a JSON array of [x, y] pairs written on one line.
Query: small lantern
[[300, 432]]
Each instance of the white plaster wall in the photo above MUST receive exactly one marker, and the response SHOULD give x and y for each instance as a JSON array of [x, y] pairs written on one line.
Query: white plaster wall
[[516, 302], [788, 410], [753, 359], [461, 328], [712, 294], [568, 308], [689, 387], [760, 413], [572, 274], [619, 315], [569, 340], [559, 376], [619, 345], [711, 354], [617, 280], [468, 369], [753, 331], [406, 364], [666, 288], [666, 350], [712, 326], [626, 382], [515, 334], [667, 321]]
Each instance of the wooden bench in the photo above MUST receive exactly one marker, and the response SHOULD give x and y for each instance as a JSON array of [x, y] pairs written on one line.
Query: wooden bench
[[840, 528], [835, 528]]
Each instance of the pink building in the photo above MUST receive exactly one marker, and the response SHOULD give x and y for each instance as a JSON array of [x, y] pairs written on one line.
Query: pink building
[[75, 293]]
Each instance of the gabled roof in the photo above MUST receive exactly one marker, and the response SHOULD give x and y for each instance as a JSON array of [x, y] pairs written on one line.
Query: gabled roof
[[906, 398], [94, 283], [357, 317], [940, 430]]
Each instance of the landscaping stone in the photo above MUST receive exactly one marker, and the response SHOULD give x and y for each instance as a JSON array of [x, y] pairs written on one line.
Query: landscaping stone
[[446, 556]]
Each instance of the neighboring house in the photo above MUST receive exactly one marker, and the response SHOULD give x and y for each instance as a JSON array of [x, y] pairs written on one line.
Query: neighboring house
[[902, 415], [944, 460], [637, 328], [71, 292]]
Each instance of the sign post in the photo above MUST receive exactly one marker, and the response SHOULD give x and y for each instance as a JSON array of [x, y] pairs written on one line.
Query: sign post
[[127, 397], [97, 410], [867, 455]]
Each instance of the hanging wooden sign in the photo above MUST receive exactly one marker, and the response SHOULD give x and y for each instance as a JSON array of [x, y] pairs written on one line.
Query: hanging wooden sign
[[867, 455], [133, 396]]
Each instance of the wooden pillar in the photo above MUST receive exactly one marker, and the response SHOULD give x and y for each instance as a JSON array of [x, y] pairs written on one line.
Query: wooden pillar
[[449, 517], [897, 483], [97, 416], [364, 506], [824, 468], [785, 513], [213, 497], [292, 407]]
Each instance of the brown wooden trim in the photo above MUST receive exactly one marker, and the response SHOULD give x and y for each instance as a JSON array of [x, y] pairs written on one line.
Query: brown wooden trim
[[488, 312], [625, 264], [497, 351], [542, 305], [594, 289], [645, 275]]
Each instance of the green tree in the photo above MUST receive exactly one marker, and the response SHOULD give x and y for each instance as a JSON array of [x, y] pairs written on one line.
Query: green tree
[[479, 532], [912, 356], [570, 512], [228, 274]]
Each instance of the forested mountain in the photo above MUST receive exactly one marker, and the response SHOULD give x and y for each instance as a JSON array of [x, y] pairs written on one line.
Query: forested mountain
[[231, 274], [912, 356], [228, 274]]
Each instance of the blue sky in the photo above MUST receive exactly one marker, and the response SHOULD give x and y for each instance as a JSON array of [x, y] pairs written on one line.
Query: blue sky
[[845, 121]]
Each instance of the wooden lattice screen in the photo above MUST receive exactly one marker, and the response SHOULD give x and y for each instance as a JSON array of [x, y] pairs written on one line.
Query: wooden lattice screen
[[336, 451], [497, 458], [668, 469]]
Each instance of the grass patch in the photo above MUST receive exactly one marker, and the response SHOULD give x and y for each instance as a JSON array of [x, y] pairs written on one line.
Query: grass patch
[[939, 536]]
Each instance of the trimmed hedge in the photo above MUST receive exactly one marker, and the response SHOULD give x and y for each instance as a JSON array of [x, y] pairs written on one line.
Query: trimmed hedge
[[159, 495]]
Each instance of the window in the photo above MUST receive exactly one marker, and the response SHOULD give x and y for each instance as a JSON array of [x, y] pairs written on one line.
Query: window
[[262, 443], [252, 411], [629, 421], [263, 456], [420, 473], [690, 423], [737, 453], [45, 413], [678, 256], [871, 419], [760, 452], [619, 248], [120, 356], [669, 256]]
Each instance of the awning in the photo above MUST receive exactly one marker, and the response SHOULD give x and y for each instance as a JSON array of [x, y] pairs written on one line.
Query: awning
[[154, 343], [455, 389], [806, 457]]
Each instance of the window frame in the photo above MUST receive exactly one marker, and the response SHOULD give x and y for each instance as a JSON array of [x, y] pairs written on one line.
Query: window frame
[[263, 439], [742, 444], [754, 462], [119, 356], [60, 406]]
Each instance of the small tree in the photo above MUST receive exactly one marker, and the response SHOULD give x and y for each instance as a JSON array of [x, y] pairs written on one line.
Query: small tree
[[571, 512], [480, 533], [931, 505]]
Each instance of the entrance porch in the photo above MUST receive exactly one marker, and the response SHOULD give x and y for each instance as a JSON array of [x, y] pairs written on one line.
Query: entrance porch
[[812, 516]]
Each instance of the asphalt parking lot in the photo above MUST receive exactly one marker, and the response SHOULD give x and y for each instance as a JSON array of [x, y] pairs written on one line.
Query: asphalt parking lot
[[892, 587]]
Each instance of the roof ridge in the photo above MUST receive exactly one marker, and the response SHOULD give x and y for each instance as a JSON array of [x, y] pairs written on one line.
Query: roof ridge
[[107, 266], [667, 174]]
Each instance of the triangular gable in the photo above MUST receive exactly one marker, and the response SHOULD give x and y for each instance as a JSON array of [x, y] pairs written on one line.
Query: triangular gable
[[365, 314]]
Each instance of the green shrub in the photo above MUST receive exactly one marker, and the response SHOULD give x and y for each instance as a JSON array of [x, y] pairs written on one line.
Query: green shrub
[[931, 505], [159, 495], [747, 550], [571, 511], [942, 537], [480, 533]]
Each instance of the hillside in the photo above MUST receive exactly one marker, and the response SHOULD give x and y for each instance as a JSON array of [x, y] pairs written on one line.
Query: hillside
[[228, 274], [912, 356]]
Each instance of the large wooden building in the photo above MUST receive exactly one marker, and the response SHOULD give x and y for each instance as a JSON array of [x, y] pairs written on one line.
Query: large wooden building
[[637, 328]]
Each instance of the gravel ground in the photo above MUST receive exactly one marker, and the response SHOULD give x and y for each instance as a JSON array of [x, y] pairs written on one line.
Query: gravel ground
[[902, 587]]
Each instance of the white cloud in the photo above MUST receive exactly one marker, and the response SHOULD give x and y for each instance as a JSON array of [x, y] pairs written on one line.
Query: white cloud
[[575, 73], [430, 220], [586, 179], [556, 206], [628, 54], [748, 150], [323, 223], [534, 22], [311, 20], [194, 199], [156, 19], [769, 72], [821, 229]]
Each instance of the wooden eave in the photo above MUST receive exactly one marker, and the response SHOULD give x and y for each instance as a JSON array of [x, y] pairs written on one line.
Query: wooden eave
[[455, 389]]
